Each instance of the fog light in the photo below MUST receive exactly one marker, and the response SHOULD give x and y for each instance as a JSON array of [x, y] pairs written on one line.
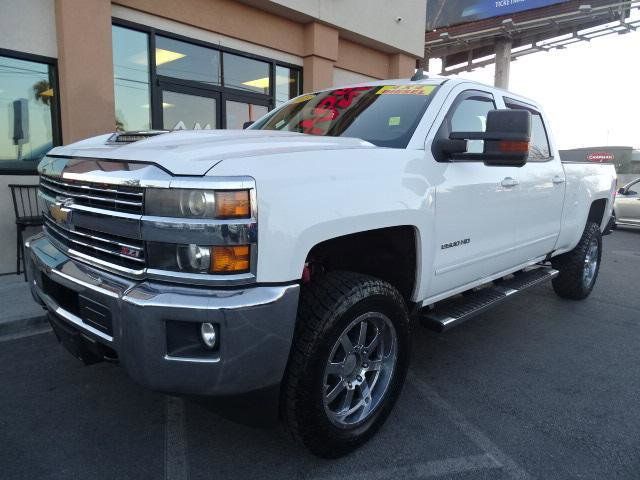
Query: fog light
[[208, 334]]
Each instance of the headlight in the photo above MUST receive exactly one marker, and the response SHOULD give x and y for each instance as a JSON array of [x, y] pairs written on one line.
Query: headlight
[[187, 203], [233, 259]]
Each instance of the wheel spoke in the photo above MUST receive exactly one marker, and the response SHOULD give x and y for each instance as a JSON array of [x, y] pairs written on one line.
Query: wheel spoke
[[335, 391], [362, 337], [366, 399], [334, 368], [375, 342], [346, 343], [346, 403]]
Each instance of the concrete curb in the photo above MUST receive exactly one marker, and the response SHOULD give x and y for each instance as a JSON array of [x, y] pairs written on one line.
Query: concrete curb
[[23, 325]]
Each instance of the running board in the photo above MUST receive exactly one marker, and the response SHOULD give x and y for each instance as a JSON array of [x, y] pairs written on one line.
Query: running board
[[449, 313]]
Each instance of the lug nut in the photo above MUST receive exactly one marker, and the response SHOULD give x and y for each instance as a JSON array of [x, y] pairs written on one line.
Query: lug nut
[[359, 377], [365, 365]]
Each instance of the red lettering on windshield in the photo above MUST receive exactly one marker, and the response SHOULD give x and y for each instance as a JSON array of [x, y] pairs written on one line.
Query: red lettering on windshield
[[329, 109]]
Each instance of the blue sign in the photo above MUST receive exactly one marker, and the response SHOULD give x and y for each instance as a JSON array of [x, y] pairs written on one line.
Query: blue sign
[[443, 13]]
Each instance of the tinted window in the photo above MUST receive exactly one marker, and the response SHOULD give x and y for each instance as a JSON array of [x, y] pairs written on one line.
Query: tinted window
[[469, 114], [27, 102], [539, 150], [131, 82], [246, 74], [385, 116], [187, 61]]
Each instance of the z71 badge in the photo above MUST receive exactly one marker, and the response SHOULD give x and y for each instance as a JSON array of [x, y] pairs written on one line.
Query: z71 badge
[[457, 243]]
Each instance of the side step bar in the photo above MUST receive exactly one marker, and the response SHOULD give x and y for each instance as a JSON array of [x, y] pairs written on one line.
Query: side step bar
[[449, 313]]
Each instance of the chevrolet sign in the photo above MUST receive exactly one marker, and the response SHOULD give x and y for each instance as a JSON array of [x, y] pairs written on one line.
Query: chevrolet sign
[[60, 211]]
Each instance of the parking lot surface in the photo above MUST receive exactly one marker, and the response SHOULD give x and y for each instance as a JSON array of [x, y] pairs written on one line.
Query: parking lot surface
[[539, 387]]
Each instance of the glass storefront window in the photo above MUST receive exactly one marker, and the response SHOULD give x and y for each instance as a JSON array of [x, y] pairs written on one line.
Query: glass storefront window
[[246, 74], [181, 111], [287, 84], [239, 112], [187, 61], [131, 79], [27, 106]]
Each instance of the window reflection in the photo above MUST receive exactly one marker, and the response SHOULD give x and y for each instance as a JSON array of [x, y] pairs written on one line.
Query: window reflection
[[182, 111], [26, 102], [131, 79], [246, 74], [238, 113], [287, 84], [187, 61]]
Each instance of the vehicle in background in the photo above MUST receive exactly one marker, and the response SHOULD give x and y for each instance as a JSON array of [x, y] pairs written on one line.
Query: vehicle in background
[[626, 209]]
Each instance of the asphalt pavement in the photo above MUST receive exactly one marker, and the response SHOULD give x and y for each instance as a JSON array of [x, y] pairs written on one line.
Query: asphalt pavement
[[538, 388]]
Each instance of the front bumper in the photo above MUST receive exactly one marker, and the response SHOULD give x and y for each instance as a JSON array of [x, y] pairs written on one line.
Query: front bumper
[[255, 324]]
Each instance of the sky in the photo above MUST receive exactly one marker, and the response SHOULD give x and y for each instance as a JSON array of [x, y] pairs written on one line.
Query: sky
[[589, 91]]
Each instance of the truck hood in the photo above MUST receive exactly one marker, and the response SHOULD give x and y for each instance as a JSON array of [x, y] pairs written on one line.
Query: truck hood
[[195, 152]]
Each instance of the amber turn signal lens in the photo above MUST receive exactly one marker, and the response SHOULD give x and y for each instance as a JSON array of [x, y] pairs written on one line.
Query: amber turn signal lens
[[235, 259], [233, 204], [511, 146]]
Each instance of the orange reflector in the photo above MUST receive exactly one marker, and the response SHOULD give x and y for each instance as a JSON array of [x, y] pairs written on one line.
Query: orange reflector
[[233, 204], [233, 259], [511, 146]]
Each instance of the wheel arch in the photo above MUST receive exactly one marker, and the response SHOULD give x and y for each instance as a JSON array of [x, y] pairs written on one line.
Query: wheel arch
[[391, 254]]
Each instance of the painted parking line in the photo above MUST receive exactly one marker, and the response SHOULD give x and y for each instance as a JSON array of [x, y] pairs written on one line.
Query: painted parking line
[[509, 466], [176, 465]]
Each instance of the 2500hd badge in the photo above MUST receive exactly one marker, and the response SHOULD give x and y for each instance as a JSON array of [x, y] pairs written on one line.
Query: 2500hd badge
[[457, 243]]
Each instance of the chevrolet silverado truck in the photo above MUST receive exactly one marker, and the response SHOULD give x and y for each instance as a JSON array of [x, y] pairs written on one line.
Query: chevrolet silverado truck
[[299, 253]]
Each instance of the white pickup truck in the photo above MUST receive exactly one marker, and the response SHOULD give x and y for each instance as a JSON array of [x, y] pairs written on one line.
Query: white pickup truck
[[297, 254]]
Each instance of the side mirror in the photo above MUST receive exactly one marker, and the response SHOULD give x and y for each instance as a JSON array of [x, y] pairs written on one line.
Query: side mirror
[[246, 125], [622, 191], [506, 139]]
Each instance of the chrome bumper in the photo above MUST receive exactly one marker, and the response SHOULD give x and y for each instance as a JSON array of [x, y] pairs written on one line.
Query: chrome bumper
[[255, 324]]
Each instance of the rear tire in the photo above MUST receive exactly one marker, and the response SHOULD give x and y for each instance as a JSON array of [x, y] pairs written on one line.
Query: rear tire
[[338, 366], [579, 268]]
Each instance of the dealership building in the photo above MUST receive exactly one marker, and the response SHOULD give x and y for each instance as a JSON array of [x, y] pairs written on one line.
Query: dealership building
[[70, 69]]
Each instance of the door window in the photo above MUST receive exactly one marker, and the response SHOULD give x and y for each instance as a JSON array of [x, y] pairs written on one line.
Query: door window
[[181, 111], [539, 150], [468, 114]]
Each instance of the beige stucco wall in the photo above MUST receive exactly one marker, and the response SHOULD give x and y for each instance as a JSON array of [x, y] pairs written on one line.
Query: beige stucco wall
[[368, 20], [85, 68], [28, 26]]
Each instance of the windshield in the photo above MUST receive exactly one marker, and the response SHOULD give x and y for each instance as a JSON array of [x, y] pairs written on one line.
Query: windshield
[[383, 115]]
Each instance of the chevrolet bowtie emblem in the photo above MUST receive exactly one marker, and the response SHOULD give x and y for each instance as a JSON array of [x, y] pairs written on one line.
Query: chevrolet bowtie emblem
[[60, 211]]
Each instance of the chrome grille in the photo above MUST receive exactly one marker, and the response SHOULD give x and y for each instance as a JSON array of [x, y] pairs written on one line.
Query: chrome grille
[[118, 198], [115, 250]]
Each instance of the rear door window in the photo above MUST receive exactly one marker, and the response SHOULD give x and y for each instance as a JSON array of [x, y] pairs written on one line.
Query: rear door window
[[539, 149]]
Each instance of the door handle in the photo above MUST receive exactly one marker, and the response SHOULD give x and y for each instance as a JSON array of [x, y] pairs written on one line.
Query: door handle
[[509, 182], [558, 179]]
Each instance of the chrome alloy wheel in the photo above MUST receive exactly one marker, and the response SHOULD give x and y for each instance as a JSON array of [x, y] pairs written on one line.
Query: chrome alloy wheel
[[590, 263], [359, 369]]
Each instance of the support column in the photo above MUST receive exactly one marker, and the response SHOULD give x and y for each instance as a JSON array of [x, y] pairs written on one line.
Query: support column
[[85, 68], [401, 66], [503, 63], [320, 55]]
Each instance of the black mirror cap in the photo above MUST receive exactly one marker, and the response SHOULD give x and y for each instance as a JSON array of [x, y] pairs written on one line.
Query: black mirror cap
[[246, 125], [622, 191], [508, 135]]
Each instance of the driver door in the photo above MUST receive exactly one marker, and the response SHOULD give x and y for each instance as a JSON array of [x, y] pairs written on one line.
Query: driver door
[[475, 204]]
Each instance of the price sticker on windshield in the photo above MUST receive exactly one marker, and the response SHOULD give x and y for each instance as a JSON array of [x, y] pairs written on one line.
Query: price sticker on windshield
[[406, 90]]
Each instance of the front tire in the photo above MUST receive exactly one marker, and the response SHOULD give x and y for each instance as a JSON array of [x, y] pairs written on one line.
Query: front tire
[[348, 362], [579, 268]]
